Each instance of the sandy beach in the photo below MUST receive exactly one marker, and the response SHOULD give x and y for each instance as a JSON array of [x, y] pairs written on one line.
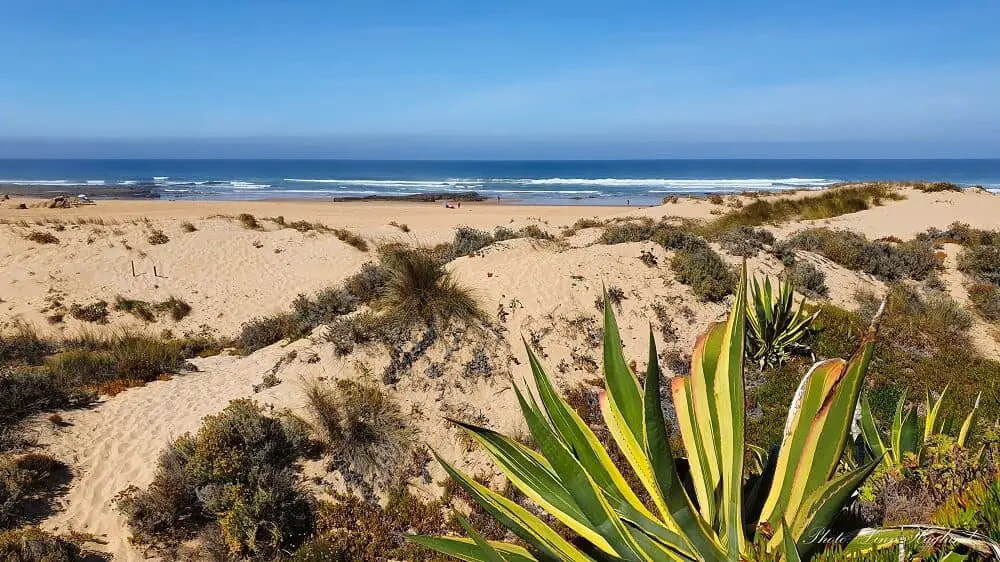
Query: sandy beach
[[543, 290]]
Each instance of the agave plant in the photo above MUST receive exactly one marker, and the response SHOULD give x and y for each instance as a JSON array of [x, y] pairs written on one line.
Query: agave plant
[[775, 325], [709, 512], [905, 437]]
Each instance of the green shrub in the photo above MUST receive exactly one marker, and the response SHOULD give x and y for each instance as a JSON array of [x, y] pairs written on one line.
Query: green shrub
[[705, 272], [42, 237], [366, 285], [975, 508], [986, 298], [364, 430], [31, 544], [327, 305], [914, 259], [745, 241], [261, 332], [144, 358], [236, 470], [420, 291], [630, 231], [96, 312], [807, 279], [678, 238]]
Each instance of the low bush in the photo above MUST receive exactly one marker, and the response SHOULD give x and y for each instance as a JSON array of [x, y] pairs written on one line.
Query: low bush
[[420, 291], [400, 226], [157, 237], [236, 472], [42, 237], [961, 233], [176, 308], [188, 227], [365, 432], [986, 298], [745, 241], [937, 187], [914, 259], [20, 478], [347, 332], [263, 331], [327, 305], [31, 544], [96, 312], [248, 221], [981, 262], [629, 231], [807, 279], [581, 224], [367, 284], [705, 272], [716, 199]]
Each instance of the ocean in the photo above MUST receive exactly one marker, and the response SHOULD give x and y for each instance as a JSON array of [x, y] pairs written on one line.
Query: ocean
[[577, 182]]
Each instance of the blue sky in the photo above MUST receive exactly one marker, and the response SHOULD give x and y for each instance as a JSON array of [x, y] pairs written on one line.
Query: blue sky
[[469, 78]]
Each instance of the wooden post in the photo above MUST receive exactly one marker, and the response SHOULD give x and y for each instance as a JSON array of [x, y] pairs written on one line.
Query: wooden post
[[133, 268], [154, 272]]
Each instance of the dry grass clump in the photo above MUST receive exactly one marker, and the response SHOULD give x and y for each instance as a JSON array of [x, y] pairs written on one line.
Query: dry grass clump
[[187, 226], [807, 279], [21, 477], [581, 224], [248, 221], [914, 259], [31, 544], [21, 344], [350, 238], [419, 291], [402, 227], [96, 312], [41, 237], [745, 241], [715, 199], [157, 237], [176, 308], [138, 308], [832, 202], [258, 333], [708, 276], [234, 479], [365, 432], [986, 298], [368, 283]]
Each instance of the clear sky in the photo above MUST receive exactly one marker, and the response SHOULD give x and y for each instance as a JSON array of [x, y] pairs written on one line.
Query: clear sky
[[505, 77]]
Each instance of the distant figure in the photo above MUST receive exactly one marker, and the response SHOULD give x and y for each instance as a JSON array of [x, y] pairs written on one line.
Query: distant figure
[[628, 202], [498, 198]]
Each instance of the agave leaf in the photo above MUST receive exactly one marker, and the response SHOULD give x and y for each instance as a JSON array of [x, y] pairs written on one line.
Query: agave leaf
[[578, 437], [824, 504], [728, 394], [909, 435], [613, 537], [531, 473], [867, 541], [805, 406], [869, 431], [469, 550], [931, 424], [704, 416], [968, 424], [687, 424], [896, 432], [490, 554], [519, 520], [788, 545]]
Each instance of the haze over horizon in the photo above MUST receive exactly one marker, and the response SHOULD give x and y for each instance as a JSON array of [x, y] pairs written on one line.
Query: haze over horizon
[[470, 80]]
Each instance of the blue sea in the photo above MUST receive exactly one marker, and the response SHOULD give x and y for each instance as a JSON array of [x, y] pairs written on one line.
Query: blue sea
[[602, 182]]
